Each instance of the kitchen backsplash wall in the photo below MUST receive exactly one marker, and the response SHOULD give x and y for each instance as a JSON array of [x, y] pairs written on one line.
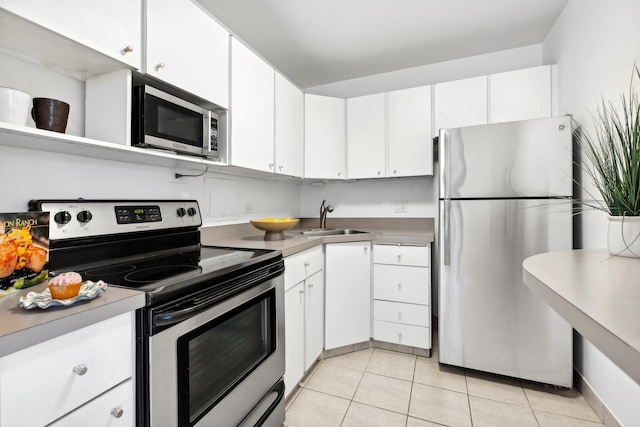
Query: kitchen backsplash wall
[[386, 198], [224, 199]]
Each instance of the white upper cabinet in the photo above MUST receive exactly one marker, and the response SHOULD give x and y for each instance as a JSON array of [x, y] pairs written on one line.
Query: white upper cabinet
[[410, 146], [520, 95], [113, 28], [289, 128], [324, 137], [460, 103], [366, 136], [186, 48], [252, 110]]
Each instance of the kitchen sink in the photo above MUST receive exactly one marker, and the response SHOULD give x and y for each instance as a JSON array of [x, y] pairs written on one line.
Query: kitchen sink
[[331, 232]]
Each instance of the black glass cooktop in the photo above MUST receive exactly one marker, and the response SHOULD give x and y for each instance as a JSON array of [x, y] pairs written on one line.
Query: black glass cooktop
[[179, 272]]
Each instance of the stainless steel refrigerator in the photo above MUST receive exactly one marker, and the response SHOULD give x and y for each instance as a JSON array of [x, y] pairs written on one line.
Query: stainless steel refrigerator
[[505, 194]]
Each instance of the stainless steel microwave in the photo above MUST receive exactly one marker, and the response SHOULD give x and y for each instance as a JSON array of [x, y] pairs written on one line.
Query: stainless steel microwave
[[161, 120]]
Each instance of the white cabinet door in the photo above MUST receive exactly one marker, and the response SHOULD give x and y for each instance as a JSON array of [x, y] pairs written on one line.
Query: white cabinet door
[[347, 293], [252, 109], [366, 136], [289, 128], [410, 144], [187, 48], [324, 137], [110, 27], [313, 318], [520, 95], [460, 103], [294, 336]]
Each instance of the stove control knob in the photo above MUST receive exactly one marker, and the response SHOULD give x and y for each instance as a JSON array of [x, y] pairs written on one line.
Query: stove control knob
[[62, 217], [84, 216], [192, 211], [181, 212]]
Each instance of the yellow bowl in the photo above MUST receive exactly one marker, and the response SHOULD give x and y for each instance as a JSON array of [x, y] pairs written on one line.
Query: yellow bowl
[[274, 227]]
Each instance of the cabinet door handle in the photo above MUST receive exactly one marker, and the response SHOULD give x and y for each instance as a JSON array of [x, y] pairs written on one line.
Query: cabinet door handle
[[128, 49], [80, 369], [366, 250], [271, 166], [310, 285], [160, 66], [399, 286], [399, 316], [339, 173], [280, 168], [399, 258], [117, 412], [307, 264], [400, 337]]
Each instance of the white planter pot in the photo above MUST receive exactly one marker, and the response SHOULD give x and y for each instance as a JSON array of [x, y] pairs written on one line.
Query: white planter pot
[[624, 236], [14, 106]]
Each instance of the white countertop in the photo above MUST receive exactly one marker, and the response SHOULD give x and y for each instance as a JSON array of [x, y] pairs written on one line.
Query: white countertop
[[598, 294]]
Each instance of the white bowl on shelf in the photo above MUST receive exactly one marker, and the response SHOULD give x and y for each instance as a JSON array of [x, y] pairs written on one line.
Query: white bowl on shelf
[[14, 106]]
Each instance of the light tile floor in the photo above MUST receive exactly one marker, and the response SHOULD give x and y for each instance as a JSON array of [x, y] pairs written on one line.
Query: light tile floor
[[376, 387]]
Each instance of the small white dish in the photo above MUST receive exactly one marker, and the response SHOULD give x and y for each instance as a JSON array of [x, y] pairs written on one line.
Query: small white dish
[[88, 290], [15, 106]]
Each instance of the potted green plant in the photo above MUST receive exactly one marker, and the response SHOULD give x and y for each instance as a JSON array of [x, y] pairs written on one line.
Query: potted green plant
[[613, 155]]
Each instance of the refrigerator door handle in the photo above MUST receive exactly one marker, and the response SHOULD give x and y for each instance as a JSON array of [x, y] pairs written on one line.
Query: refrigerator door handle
[[444, 141], [446, 232]]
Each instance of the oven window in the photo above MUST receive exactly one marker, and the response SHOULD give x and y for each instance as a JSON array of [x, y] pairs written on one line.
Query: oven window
[[221, 353]]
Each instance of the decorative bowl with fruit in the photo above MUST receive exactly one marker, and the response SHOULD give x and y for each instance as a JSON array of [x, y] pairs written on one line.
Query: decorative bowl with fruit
[[274, 227]]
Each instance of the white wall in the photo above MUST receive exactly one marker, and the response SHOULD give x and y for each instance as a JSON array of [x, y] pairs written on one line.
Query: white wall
[[595, 44], [496, 62], [370, 198]]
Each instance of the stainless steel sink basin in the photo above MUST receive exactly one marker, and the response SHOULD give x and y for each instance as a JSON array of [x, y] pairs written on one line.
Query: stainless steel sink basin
[[331, 232]]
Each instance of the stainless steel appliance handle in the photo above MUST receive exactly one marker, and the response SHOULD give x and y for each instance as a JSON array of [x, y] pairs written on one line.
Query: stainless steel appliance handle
[[446, 232], [177, 316], [444, 140]]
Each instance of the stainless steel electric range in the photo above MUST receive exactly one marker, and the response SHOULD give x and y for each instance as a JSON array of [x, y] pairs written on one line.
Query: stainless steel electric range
[[210, 340]]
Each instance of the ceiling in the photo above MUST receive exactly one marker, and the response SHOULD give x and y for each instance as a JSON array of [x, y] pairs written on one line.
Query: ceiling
[[320, 42]]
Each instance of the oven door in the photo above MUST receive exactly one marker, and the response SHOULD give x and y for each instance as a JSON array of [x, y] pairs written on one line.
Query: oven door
[[222, 366]]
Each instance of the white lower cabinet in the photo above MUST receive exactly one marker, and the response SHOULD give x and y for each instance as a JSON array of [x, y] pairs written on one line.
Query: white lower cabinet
[[56, 378], [348, 294], [114, 408], [402, 294], [304, 313]]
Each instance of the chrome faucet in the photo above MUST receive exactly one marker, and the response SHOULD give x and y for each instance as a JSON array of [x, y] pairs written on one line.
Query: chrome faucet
[[323, 214]]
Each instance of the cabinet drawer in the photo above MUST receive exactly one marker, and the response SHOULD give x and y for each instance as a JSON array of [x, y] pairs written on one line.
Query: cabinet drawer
[[402, 284], [103, 411], [408, 314], [299, 266], [43, 375], [401, 255], [397, 333]]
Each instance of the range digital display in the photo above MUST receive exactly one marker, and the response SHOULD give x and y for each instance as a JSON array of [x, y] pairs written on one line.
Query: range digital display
[[137, 214]]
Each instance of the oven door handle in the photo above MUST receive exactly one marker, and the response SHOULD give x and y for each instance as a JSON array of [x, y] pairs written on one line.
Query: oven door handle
[[173, 317]]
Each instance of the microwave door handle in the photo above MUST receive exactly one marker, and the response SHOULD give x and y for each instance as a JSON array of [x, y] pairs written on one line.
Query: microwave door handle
[[207, 132]]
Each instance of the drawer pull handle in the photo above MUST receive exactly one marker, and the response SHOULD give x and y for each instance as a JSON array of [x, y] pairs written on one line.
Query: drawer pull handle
[[117, 412], [128, 49], [399, 257], [306, 264], [400, 337], [310, 285], [399, 286], [399, 316], [80, 369]]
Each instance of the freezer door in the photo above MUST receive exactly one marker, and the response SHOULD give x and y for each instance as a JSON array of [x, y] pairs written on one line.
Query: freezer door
[[530, 158], [488, 319]]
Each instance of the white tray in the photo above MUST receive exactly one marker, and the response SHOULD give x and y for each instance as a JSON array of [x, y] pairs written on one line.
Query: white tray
[[88, 290]]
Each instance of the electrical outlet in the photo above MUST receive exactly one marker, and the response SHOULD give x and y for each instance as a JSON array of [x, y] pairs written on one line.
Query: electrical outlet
[[248, 208], [401, 206]]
